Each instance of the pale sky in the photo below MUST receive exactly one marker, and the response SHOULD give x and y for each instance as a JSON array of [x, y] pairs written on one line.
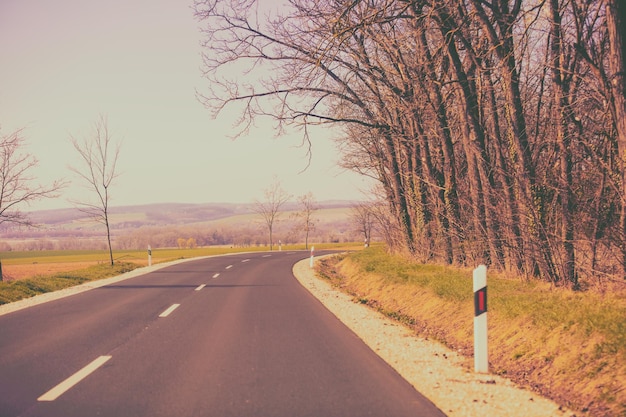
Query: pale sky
[[66, 62]]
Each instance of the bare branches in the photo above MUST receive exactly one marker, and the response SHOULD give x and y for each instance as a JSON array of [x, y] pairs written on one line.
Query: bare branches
[[308, 207], [362, 215], [98, 153], [16, 182], [299, 84], [269, 208], [485, 135]]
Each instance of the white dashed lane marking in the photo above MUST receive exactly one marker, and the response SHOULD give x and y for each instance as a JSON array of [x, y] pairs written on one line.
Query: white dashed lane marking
[[200, 287], [229, 266], [57, 391], [216, 275], [169, 310]]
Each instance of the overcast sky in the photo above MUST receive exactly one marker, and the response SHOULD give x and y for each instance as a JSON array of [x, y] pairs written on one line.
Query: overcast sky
[[66, 62]]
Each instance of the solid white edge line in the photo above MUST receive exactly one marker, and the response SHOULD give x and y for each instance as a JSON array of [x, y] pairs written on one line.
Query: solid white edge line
[[57, 391], [169, 310], [216, 275], [200, 287]]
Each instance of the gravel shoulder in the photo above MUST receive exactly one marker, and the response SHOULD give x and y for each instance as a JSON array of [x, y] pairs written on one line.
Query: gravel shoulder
[[440, 374]]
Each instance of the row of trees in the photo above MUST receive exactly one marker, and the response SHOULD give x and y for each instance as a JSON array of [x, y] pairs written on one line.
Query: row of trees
[[288, 232], [289, 229], [496, 129]]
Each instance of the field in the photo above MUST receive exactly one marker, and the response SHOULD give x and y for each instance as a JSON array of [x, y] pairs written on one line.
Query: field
[[569, 346], [26, 274], [165, 225]]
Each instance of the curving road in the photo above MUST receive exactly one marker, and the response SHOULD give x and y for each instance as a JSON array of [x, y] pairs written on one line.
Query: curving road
[[224, 336]]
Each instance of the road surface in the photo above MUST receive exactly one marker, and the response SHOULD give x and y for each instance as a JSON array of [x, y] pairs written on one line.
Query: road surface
[[223, 336]]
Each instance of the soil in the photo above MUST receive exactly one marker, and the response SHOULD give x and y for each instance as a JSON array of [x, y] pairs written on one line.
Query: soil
[[17, 272]]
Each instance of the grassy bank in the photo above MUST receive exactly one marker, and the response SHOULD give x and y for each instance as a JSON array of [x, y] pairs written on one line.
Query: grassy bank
[[16, 290], [568, 346]]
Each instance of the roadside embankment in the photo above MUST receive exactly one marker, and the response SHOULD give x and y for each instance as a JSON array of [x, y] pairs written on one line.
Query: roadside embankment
[[564, 345]]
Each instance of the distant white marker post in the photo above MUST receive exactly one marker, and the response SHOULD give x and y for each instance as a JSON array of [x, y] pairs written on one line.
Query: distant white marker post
[[481, 357], [312, 250]]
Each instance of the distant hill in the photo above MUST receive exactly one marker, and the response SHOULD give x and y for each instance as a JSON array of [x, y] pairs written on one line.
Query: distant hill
[[332, 217], [147, 214], [166, 213]]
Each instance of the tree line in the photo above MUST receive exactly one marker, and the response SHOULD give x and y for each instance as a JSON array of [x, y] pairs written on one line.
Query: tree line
[[496, 130], [287, 231]]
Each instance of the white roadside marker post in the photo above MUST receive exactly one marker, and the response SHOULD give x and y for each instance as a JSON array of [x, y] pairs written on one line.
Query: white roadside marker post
[[481, 357], [149, 255], [312, 250]]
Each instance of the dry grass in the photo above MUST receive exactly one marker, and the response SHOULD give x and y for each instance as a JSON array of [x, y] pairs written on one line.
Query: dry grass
[[24, 271], [568, 346]]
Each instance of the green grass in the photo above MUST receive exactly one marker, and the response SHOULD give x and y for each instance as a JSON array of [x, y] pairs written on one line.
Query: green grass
[[17, 290], [448, 283], [569, 344], [551, 309], [158, 255]]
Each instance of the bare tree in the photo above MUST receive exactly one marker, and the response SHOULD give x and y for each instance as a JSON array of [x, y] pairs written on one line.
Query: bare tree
[[16, 183], [99, 155], [362, 215], [615, 11], [268, 209], [493, 143], [308, 207]]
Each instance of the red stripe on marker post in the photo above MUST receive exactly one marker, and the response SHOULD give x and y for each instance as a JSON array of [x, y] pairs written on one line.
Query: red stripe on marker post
[[480, 301]]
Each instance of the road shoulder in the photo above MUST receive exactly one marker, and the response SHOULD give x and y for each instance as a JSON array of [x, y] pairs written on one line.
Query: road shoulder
[[440, 374]]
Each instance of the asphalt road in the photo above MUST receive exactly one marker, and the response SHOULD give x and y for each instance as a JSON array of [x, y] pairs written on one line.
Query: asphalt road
[[224, 336]]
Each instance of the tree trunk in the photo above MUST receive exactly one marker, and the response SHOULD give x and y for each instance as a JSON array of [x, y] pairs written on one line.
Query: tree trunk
[[564, 146], [509, 205], [478, 160], [615, 10], [530, 193], [450, 216], [399, 193], [109, 240]]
